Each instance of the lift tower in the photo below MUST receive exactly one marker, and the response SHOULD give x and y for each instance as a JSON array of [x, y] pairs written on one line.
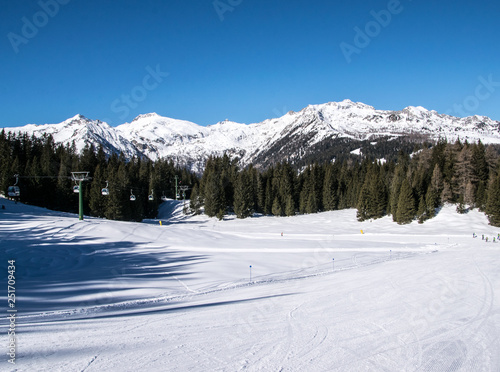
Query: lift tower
[[80, 177]]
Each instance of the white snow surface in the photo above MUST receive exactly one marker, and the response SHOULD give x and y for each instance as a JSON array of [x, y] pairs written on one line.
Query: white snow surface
[[326, 293], [190, 144]]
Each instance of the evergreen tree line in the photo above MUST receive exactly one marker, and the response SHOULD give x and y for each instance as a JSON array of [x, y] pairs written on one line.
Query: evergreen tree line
[[45, 170], [410, 188]]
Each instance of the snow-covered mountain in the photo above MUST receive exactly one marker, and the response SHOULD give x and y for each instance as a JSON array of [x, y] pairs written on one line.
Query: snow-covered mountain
[[291, 136], [83, 132]]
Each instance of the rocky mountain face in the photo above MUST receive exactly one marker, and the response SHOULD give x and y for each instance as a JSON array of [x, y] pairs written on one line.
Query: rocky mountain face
[[323, 131]]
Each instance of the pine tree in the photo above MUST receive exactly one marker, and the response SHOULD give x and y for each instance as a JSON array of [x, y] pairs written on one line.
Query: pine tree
[[330, 186], [461, 206], [469, 194], [395, 192], [431, 202], [364, 206], [260, 193], [268, 203], [437, 180], [422, 208], [118, 204], [479, 164], [406, 204], [311, 206], [379, 195], [446, 194], [214, 196], [97, 201], [481, 195], [195, 202], [493, 204], [277, 210], [290, 206], [243, 196]]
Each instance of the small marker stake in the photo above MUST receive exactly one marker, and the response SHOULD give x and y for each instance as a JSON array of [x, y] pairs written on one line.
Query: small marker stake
[[250, 273], [333, 264]]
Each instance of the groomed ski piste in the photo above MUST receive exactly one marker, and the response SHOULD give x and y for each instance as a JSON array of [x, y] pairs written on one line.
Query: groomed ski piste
[[324, 292]]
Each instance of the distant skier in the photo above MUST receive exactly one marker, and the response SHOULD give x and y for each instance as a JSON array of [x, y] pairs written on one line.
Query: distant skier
[[483, 236], [474, 235], [486, 239]]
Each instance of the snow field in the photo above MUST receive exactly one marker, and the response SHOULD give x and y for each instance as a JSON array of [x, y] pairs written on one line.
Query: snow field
[[107, 295]]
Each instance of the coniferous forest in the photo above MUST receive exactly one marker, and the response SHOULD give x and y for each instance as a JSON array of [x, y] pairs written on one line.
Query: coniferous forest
[[410, 188], [44, 170]]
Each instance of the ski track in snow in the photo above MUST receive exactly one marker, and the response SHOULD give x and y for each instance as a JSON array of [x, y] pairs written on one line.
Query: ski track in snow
[[105, 295]]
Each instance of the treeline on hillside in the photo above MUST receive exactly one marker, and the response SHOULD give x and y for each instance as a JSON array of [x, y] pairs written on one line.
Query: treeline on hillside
[[408, 189], [45, 170]]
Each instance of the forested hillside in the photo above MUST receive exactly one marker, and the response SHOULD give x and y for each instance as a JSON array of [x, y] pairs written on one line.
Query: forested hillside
[[44, 171], [410, 188]]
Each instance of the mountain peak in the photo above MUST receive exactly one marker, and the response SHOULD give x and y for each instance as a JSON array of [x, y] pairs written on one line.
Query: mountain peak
[[416, 110], [145, 116], [77, 117]]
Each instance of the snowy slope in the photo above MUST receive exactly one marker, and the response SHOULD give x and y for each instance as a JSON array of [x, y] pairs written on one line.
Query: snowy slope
[[281, 138], [98, 295]]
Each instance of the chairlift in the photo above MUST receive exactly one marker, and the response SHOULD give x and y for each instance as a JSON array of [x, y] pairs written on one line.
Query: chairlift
[[14, 191], [105, 191], [151, 197], [132, 196], [76, 188]]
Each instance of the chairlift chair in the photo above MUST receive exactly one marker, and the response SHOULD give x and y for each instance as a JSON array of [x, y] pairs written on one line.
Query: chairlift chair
[[132, 196], [164, 198], [14, 191], [105, 190], [151, 197], [76, 189]]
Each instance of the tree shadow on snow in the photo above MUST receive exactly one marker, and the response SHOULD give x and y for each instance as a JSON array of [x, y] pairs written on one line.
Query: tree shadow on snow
[[54, 272]]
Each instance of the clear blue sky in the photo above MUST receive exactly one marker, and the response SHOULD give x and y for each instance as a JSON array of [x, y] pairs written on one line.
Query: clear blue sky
[[249, 61]]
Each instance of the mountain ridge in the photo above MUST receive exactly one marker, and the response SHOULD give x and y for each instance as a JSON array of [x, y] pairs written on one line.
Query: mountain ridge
[[289, 137]]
